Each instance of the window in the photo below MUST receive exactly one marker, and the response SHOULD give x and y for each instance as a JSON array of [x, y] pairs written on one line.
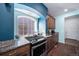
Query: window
[[26, 25]]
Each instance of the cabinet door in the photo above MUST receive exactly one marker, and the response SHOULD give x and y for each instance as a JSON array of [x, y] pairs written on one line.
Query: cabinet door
[[51, 23], [52, 41], [55, 38], [24, 50], [49, 43]]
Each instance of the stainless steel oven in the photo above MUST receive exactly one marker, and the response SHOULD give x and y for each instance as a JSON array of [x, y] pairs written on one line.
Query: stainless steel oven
[[39, 48]]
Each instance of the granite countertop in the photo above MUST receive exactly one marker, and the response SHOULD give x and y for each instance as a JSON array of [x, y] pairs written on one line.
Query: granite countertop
[[12, 44], [51, 34], [47, 36]]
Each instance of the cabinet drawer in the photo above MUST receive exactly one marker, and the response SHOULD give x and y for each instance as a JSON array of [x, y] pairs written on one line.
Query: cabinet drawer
[[10, 53]]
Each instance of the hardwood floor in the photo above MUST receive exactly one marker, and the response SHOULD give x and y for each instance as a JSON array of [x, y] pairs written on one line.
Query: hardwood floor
[[64, 50]]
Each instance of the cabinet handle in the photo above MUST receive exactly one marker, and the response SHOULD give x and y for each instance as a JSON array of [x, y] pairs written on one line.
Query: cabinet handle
[[12, 53]]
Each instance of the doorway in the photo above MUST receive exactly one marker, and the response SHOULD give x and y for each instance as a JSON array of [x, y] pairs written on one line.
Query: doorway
[[72, 30]]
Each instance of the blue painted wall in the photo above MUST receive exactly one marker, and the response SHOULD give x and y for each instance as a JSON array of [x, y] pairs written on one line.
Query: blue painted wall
[[60, 24], [6, 22], [39, 7]]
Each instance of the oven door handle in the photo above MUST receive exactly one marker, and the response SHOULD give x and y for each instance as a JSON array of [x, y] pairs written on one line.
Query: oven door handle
[[39, 44]]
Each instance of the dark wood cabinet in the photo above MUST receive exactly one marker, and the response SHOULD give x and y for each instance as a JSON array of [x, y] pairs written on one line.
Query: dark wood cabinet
[[51, 22], [52, 41], [20, 51]]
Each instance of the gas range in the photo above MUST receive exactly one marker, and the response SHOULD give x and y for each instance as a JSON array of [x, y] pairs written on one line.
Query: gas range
[[34, 39], [38, 45]]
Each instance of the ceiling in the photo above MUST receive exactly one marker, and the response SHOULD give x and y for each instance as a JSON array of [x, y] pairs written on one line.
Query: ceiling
[[56, 9]]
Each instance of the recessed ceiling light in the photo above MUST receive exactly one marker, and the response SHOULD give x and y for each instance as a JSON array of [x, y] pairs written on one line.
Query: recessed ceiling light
[[65, 10]]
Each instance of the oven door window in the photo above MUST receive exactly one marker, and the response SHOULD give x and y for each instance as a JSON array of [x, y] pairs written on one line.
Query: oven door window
[[39, 50]]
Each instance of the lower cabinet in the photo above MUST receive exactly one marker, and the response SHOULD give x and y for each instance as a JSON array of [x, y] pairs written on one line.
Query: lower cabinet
[[52, 41], [20, 51]]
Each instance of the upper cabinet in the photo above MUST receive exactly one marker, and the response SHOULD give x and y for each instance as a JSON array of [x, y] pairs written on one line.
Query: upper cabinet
[[51, 22]]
